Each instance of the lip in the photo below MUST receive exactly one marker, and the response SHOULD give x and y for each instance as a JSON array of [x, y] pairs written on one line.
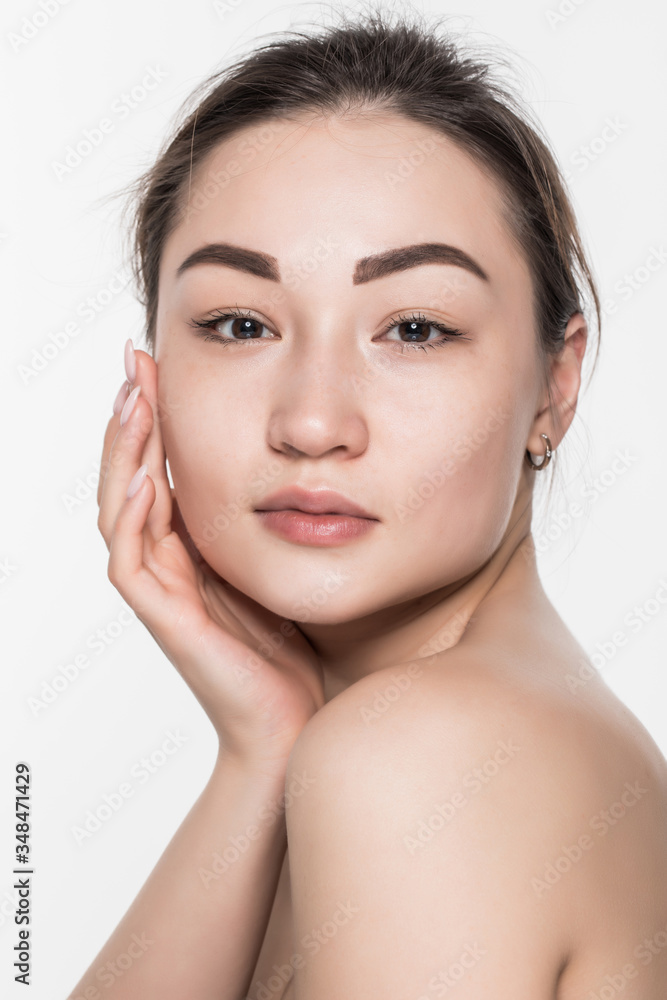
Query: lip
[[320, 517], [313, 502], [315, 529]]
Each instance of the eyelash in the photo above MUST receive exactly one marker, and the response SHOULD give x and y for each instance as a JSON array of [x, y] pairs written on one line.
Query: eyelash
[[449, 332]]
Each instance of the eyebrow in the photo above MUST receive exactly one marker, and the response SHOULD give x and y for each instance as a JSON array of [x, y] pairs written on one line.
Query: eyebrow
[[378, 265]]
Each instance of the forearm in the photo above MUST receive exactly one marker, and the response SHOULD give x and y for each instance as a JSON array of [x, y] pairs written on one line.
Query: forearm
[[196, 927]]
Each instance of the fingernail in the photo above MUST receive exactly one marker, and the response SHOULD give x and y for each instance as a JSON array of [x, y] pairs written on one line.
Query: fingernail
[[130, 361], [129, 405], [120, 399], [136, 480]]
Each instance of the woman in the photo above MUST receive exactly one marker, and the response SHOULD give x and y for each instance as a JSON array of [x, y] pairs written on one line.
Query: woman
[[422, 785]]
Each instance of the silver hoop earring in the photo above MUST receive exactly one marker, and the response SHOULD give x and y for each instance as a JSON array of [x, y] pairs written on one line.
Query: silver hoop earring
[[547, 455]]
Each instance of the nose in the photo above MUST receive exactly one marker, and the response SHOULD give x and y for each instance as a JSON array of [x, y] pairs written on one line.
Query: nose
[[316, 409]]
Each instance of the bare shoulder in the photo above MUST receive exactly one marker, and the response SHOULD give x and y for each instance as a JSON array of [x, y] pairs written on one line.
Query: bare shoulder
[[467, 811], [457, 706]]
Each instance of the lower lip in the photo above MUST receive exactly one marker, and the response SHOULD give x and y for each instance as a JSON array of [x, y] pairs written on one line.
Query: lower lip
[[315, 529]]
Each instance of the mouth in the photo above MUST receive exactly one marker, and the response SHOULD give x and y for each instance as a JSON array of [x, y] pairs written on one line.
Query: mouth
[[305, 528], [327, 503], [316, 518]]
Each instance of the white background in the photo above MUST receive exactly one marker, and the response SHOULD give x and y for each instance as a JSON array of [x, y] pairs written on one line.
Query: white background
[[60, 244]]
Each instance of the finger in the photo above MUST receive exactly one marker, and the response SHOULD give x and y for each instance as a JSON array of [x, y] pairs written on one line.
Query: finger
[[125, 458], [130, 572], [160, 515], [109, 436], [127, 570]]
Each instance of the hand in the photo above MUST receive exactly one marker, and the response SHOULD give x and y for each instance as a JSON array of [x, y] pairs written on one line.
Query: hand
[[209, 630]]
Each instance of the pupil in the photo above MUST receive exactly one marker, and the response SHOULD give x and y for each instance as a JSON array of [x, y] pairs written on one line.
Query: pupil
[[412, 329], [246, 332]]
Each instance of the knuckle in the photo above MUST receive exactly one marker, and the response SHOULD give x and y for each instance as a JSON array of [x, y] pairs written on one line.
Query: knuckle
[[145, 420], [136, 429], [107, 463], [112, 574]]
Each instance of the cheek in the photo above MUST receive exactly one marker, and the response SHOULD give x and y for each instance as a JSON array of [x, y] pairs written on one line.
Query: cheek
[[458, 481], [204, 422], [196, 437], [211, 442]]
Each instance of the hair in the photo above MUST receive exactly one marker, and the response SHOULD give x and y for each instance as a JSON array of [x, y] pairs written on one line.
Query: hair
[[371, 65]]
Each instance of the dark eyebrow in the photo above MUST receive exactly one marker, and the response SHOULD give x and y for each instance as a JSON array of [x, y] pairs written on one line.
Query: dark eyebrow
[[401, 258], [377, 265], [262, 265]]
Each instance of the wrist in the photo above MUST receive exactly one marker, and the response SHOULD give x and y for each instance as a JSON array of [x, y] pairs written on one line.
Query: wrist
[[266, 771]]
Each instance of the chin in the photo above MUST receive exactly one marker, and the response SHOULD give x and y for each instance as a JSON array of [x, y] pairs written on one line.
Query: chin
[[318, 608]]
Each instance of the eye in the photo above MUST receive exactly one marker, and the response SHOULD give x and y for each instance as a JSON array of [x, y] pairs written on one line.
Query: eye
[[418, 329], [244, 326]]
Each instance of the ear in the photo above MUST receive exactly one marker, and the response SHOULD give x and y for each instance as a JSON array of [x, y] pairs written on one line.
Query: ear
[[556, 415]]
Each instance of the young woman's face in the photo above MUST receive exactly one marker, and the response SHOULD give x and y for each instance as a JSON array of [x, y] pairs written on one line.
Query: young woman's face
[[340, 379]]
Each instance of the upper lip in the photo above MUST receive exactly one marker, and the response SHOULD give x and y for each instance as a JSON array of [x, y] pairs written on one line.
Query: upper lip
[[313, 502]]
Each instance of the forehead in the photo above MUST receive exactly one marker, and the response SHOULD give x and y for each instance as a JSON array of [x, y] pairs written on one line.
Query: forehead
[[359, 184]]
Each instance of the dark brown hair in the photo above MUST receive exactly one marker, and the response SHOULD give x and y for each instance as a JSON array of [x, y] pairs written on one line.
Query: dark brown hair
[[368, 65]]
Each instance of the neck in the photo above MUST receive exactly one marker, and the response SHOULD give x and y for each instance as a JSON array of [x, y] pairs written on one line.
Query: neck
[[433, 622]]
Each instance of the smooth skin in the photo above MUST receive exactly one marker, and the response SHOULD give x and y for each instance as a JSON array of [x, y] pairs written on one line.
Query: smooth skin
[[440, 601]]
